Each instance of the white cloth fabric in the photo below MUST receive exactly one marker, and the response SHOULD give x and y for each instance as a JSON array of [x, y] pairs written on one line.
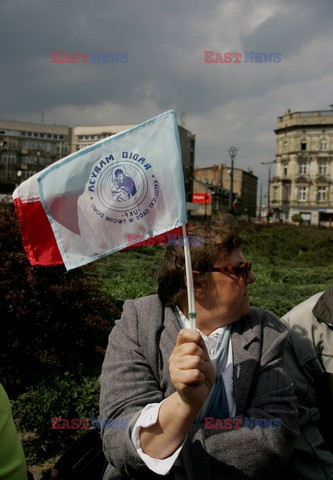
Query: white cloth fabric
[[149, 414], [118, 192]]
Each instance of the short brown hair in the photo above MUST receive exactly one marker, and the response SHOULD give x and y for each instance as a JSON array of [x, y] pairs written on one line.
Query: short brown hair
[[207, 242]]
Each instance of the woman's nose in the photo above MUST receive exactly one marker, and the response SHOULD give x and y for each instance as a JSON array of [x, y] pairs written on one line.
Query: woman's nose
[[251, 278]]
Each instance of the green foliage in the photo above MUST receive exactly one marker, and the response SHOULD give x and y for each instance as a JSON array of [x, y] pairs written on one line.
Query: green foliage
[[289, 244], [130, 273], [279, 289], [296, 218], [51, 321], [64, 396]]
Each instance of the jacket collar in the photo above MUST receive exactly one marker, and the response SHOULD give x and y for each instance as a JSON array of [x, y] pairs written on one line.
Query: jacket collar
[[323, 310], [244, 336]]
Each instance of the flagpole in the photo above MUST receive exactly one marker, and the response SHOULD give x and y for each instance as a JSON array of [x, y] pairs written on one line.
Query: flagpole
[[189, 281]]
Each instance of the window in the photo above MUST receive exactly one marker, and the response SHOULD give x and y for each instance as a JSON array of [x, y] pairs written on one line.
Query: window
[[10, 158], [302, 167], [285, 146], [275, 194], [301, 194], [303, 146], [323, 144], [322, 167], [322, 194], [31, 160], [285, 171], [286, 193]]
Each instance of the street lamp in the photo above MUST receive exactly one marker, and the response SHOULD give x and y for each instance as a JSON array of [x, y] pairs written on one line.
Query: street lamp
[[269, 167], [232, 152], [260, 204]]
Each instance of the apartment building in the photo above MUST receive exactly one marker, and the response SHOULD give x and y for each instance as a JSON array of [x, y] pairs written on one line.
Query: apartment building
[[302, 187], [26, 148]]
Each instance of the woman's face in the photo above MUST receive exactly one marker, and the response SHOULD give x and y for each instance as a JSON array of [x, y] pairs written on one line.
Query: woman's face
[[226, 294]]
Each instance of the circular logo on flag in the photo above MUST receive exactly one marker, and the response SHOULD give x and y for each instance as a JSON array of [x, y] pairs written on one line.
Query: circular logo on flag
[[122, 186]]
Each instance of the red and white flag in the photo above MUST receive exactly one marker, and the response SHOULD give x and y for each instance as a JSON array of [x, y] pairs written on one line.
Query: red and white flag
[[89, 204]]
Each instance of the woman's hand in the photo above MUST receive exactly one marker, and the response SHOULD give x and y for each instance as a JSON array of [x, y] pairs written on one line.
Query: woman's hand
[[191, 371], [193, 376]]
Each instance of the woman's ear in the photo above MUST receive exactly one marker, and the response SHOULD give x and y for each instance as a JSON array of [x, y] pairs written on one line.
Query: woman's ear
[[199, 290], [199, 293]]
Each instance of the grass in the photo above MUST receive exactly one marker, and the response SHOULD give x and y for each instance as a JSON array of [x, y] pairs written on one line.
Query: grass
[[129, 274], [279, 289], [290, 264]]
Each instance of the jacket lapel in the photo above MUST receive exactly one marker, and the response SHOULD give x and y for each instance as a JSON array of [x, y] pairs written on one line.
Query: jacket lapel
[[169, 333], [246, 355], [245, 350]]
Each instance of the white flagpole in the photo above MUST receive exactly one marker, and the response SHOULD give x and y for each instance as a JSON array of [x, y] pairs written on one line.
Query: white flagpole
[[189, 280]]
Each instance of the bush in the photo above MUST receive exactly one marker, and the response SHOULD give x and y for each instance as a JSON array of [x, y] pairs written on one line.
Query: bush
[[296, 218], [51, 321], [66, 396], [289, 244]]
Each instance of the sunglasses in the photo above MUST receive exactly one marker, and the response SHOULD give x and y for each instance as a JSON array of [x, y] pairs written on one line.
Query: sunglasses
[[240, 271]]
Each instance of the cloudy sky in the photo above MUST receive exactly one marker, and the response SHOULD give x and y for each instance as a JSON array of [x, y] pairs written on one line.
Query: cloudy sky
[[223, 104]]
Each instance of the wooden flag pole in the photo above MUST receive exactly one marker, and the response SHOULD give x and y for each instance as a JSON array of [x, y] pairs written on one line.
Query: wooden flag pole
[[189, 280]]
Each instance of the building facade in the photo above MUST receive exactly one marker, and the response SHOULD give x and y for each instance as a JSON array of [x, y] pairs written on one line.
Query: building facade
[[26, 148], [215, 182], [302, 188]]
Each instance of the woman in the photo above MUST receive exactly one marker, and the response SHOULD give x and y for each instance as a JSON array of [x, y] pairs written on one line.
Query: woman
[[211, 403]]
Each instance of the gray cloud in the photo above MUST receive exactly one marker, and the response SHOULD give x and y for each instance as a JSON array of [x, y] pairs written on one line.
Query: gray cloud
[[165, 41]]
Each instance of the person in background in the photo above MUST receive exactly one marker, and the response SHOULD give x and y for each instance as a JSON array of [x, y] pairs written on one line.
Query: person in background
[[12, 460], [309, 361], [214, 403]]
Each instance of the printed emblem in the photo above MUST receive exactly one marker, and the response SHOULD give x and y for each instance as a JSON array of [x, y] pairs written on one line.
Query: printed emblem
[[123, 189]]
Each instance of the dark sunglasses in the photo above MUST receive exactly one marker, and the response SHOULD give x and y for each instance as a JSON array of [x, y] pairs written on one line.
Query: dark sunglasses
[[240, 271]]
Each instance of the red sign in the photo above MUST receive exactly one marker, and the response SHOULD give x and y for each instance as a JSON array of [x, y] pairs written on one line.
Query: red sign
[[203, 198]]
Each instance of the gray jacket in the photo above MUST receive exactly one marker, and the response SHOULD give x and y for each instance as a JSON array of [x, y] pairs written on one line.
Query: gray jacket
[[135, 372], [309, 361]]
